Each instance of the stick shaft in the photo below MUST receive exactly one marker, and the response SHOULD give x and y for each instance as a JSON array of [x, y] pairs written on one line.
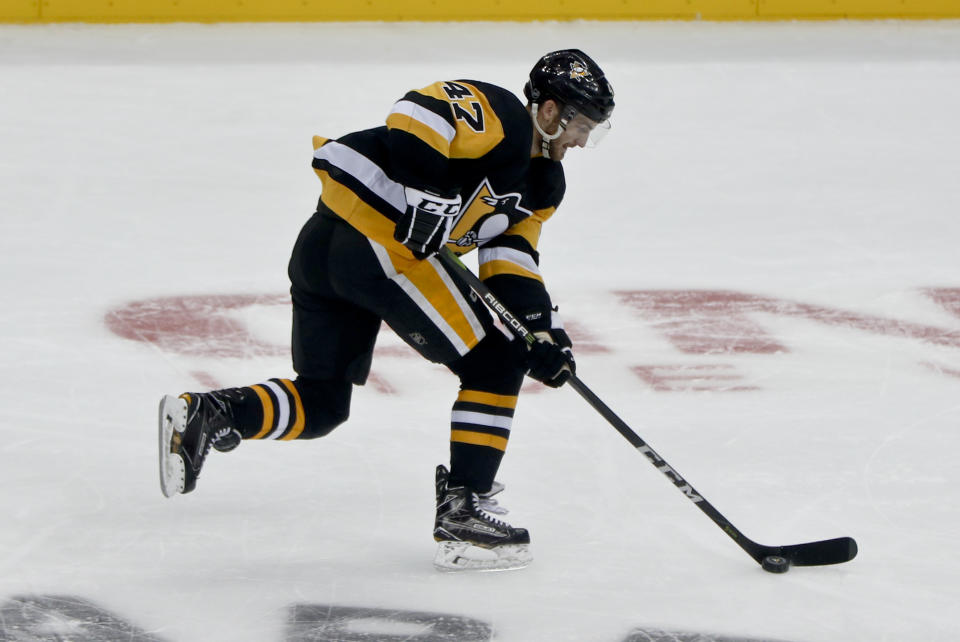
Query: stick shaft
[[808, 554]]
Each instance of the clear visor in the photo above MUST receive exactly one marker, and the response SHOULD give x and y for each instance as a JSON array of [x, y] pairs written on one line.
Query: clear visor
[[586, 132], [599, 133]]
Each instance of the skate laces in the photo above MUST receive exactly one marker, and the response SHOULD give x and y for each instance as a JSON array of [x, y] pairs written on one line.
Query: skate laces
[[484, 515], [491, 505], [488, 503], [214, 418]]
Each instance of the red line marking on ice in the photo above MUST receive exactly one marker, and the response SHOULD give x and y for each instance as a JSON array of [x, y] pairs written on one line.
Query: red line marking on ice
[[950, 372], [717, 322], [381, 384], [195, 325], [584, 341], [206, 379], [692, 378], [947, 297]]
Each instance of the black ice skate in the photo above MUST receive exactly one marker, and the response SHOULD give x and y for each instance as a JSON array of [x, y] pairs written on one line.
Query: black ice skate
[[189, 425], [469, 537]]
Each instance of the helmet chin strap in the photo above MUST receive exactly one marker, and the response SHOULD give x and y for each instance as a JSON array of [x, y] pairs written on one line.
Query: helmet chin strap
[[545, 138]]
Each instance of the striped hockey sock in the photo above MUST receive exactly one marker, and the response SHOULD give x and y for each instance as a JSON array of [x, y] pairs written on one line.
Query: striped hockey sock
[[480, 428], [279, 415]]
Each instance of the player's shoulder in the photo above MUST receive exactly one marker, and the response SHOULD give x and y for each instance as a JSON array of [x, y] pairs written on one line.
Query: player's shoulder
[[501, 98], [503, 103], [465, 90], [476, 117]]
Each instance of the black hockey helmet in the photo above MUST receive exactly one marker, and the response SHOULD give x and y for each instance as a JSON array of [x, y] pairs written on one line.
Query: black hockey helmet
[[573, 79]]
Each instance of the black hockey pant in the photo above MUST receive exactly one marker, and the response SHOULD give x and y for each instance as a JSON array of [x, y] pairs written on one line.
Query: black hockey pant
[[343, 286]]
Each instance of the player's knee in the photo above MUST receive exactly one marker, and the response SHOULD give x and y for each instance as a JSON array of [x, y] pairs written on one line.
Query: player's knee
[[496, 364], [326, 405]]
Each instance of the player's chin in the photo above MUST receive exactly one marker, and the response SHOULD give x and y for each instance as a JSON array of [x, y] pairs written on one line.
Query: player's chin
[[558, 153]]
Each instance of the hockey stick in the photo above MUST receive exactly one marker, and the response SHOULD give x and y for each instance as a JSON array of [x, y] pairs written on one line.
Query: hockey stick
[[820, 553]]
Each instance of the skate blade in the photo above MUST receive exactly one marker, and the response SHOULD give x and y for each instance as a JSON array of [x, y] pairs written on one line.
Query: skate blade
[[463, 556], [172, 420]]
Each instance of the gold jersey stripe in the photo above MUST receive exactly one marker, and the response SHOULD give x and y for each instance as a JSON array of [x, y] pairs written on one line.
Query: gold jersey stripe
[[422, 131], [544, 214], [267, 411], [425, 278], [530, 228], [318, 142], [436, 91], [478, 439], [493, 268], [469, 143], [298, 404], [488, 398]]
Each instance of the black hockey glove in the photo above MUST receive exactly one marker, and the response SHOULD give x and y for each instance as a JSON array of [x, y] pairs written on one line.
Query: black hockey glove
[[550, 358], [425, 225]]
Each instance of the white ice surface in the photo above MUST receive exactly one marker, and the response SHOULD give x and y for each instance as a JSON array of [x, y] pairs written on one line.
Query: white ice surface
[[815, 163]]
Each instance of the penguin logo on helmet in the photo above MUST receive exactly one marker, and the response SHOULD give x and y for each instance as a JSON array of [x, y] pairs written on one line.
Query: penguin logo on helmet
[[578, 70]]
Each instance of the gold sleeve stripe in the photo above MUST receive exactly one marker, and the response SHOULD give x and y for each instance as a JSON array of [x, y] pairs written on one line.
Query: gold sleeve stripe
[[318, 142], [488, 398], [301, 420], [544, 214], [421, 131], [267, 404], [529, 229], [422, 123], [478, 439], [435, 91], [423, 115], [468, 111], [493, 268]]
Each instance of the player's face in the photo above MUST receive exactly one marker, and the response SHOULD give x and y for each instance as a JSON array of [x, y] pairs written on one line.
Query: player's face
[[580, 132], [576, 134]]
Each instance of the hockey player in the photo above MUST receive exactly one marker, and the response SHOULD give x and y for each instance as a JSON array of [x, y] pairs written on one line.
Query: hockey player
[[461, 165]]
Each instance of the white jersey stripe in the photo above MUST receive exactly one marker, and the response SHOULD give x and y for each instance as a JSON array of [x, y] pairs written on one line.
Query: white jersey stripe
[[524, 260], [283, 409], [425, 116], [424, 304], [481, 419], [435, 317], [364, 170], [384, 257], [468, 313]]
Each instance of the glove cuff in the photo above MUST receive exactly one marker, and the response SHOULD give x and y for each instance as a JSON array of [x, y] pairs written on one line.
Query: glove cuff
[[432, 203]]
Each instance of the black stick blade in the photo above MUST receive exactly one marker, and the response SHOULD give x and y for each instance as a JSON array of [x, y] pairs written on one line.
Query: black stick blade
[[823, 553]]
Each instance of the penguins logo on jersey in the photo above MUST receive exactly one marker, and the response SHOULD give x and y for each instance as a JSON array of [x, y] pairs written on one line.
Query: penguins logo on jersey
[[486, 215]]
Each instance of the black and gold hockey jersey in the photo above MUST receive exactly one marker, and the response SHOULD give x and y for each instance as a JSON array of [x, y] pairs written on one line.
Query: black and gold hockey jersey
[[454, 137]]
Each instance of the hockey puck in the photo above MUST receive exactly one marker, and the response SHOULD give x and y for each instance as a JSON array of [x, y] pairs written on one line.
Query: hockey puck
[[775, 564]]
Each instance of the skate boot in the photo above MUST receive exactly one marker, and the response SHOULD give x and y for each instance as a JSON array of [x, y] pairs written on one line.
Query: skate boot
[[470, 538], [189, 425]]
